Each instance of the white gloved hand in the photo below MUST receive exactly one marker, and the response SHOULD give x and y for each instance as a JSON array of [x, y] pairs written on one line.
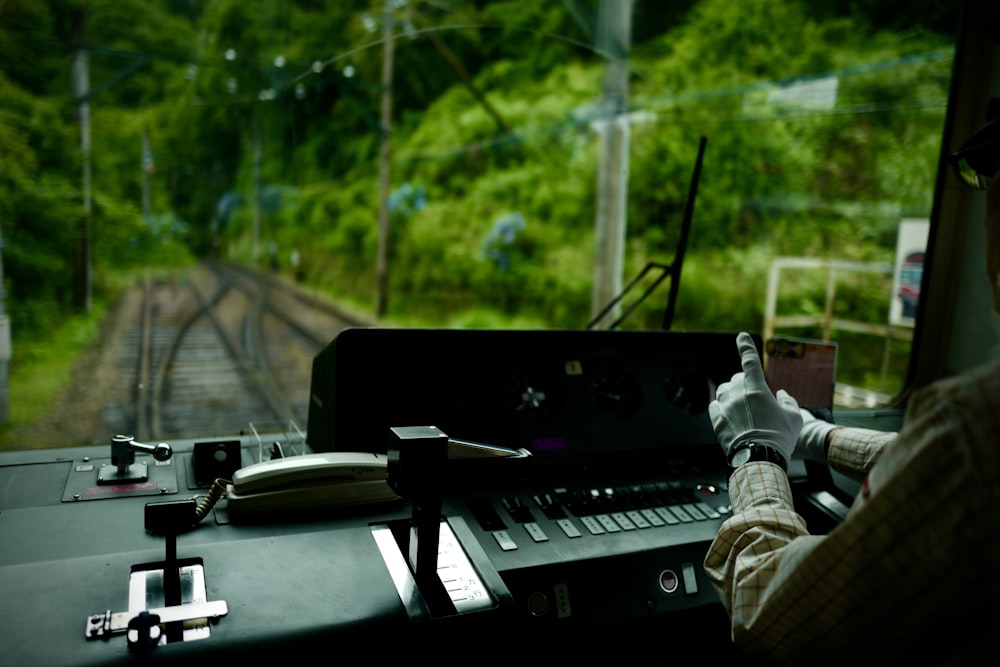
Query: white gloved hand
[[744, 408], [812, 438]]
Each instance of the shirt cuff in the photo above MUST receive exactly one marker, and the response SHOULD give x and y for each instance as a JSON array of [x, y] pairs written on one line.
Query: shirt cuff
[[759, 482]]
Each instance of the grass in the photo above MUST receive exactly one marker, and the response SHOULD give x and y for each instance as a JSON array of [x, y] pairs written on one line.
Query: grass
[[41, 367]]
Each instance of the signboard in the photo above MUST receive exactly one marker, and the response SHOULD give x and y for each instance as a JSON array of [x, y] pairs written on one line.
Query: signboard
[[911, 244]]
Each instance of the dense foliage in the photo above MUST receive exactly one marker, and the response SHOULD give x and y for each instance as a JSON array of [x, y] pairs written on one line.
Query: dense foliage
[[263, 118]]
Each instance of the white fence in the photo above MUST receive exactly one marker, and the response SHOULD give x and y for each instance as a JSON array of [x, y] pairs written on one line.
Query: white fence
[[845, 395]]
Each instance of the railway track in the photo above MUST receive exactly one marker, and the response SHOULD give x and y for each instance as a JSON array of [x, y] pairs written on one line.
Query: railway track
[[223, 351]]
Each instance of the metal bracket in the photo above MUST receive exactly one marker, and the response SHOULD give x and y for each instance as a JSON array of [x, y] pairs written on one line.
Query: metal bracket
[[102, 626], [151, 611], [133, 473]]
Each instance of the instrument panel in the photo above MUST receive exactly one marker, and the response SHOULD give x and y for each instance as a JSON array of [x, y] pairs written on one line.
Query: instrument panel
[[603, 526], [566, 394]]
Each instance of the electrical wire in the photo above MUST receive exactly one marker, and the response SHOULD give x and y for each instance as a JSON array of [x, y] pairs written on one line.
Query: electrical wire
[[207, 501]]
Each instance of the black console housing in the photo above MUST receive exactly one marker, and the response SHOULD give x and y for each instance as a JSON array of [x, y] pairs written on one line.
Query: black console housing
[[564, 395]]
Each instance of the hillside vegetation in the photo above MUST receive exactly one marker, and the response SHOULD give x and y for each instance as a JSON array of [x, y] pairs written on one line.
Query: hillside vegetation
[[263, 126]]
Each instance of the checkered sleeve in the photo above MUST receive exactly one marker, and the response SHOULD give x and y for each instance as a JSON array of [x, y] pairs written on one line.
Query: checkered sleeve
[[747, 550], [919, 543], [853, 451]]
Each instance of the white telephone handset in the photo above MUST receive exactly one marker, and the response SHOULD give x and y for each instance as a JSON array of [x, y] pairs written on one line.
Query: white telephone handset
[[328, 479]]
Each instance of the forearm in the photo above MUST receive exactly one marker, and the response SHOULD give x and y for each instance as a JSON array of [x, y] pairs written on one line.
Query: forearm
[[748, 547], [751, 559], [853, 451]]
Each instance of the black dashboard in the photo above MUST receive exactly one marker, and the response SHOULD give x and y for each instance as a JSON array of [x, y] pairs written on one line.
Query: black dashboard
[[598, 527]]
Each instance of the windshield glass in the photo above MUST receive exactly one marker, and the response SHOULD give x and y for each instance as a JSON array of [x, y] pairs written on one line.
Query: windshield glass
[[197, 196]]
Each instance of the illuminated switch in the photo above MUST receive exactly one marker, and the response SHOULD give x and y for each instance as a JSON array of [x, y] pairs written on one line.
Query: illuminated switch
[[623, 521], [568, 528], [593, 525], [653, 518], [709, 512], [503, 539], [681, 514], [536, 532], [690, 579], [666, 515], [638, 519], [608, 523], [695, 513]]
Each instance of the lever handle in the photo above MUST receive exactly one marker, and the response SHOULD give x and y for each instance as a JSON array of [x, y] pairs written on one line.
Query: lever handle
[[168, 519], [160, 451], [124, 447]]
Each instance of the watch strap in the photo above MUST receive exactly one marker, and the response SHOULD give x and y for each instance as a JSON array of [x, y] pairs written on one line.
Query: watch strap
[[758, 451]]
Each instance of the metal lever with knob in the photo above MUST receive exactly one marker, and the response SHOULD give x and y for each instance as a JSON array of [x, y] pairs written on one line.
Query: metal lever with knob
[[124, 447]]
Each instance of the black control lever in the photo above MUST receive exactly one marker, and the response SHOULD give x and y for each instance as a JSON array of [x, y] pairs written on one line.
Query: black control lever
[[124, 447], [123, 466], [417, 471], [142, 625], [169, 519]]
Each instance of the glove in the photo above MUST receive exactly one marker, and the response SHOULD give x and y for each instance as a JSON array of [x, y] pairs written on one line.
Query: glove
[[744, 408], [811, 444]]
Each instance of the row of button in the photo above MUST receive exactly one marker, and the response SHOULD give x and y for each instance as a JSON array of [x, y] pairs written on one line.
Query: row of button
[[604, 500], [615, 522]]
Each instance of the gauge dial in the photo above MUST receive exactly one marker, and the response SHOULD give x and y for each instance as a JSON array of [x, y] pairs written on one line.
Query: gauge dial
[[687, 390], [617, 392], [532, 395]]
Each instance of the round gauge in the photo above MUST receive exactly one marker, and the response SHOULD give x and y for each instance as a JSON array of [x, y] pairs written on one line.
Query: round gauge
[[617, 392], [687, 390], [532, 395]]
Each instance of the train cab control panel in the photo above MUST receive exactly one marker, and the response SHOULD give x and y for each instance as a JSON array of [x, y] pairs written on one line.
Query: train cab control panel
[[458, 489]]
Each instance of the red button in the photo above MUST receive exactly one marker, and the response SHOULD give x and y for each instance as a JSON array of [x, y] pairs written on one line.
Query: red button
[[668, 581]]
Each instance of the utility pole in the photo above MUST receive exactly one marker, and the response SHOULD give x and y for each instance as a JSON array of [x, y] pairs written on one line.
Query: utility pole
[[385, 165], [614, 32], [5, 346], [147, 171], [81, 91], [257, 157]]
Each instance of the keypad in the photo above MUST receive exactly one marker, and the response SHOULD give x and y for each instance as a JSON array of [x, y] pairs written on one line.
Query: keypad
[[599, 510]]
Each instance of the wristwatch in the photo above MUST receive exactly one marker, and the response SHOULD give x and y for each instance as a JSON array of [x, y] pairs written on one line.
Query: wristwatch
[[748, 451]]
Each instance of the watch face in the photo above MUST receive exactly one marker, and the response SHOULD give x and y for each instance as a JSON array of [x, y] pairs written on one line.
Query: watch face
[[740, 457], [753, 451]]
